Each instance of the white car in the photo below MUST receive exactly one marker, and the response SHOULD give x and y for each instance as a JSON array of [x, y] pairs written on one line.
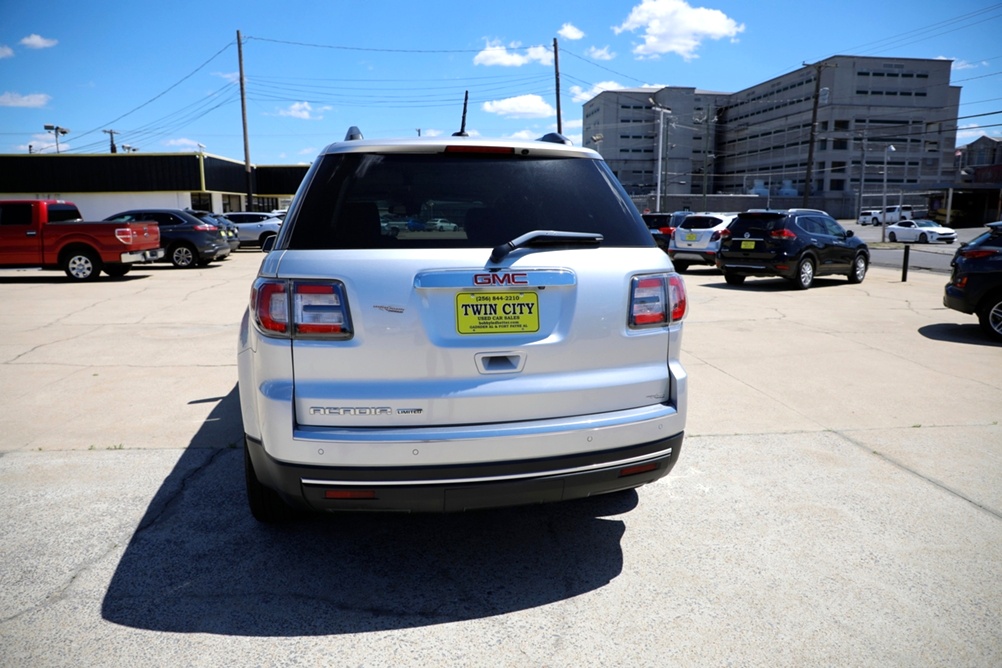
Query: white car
[[530, 356], [441, 225], [921, 231], [869, 216], [254, 228], [696, 240]]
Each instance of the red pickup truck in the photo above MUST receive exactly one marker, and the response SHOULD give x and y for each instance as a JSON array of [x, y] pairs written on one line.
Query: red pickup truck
[[51, 234]]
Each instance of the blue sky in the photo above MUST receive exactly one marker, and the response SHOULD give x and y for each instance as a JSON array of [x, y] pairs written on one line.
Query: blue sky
[[164, 75]]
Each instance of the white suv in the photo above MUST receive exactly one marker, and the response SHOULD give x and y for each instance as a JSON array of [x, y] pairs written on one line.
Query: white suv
[[696, 240], [530, 356]]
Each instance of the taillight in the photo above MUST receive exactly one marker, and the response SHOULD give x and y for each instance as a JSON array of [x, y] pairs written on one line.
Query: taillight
[[667, 231], [656, 300], [783, 234], [725, 234], [977, 254], [125, 234], [301, 309], [715, 236], [206, 227]]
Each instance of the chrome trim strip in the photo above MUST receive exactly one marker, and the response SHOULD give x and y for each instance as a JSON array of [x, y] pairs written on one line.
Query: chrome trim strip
[[500, 478], [479, 431], [464, 278]]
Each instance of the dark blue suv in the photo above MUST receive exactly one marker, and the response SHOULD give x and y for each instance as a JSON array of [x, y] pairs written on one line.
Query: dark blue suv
[[976, 283], [795, 244]]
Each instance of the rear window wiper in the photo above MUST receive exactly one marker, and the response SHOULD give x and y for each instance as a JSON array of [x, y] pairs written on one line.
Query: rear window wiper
[[538, 238]]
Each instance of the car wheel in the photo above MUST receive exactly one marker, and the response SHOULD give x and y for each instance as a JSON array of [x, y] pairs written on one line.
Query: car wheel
[[858, 272], [117, 270], [265, 504], [733, 279], [183, 256], [892, 237], [923, 239], [875, 222], [990, 316], [82, 265], [805, 274], [680, 267]]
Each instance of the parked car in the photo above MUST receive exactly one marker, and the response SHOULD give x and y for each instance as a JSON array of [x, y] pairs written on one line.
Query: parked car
[[229, 229], [921, 231], [869, 216], [796, 244], [889, 214], [976, 282], [662, 225], [531, 356], [441, 225], [187, 239], [696, 240], [254, 228]]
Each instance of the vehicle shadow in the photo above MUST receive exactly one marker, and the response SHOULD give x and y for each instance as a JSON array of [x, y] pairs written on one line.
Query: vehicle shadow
[[55, 279], [767, 284], [198, 562], [958, 333]]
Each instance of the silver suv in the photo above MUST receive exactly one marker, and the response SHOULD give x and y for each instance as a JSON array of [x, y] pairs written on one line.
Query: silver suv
[[529, 355]]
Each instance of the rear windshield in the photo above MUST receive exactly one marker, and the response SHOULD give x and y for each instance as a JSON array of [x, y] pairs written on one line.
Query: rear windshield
[[757, 223], [364, 200], [700, 222]]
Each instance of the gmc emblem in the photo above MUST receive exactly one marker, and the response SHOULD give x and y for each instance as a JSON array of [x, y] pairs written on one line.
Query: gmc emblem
[[501, 279]]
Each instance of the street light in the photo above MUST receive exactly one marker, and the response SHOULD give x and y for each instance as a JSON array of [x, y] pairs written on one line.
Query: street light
[[662, 138], [56, 130], [883, 216]]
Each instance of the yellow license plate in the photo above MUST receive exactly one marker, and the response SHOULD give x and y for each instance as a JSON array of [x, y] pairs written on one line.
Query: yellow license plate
[[497, 312], [690, 237], [747, 245]]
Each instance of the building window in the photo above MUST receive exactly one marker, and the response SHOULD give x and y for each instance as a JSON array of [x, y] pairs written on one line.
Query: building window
[[201, 201]]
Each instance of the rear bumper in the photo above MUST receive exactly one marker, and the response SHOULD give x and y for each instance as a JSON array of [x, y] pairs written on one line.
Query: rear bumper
[[703, 257], [958, 300], [466, 487], [142, 256]]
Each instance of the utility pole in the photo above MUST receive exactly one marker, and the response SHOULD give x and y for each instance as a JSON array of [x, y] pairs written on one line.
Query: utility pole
[[111, 138], [809, 176], [556, 71], [243, 112]]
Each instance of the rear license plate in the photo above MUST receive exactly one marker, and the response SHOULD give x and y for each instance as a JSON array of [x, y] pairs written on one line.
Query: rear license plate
[[690, 237], [747, 245], [497, 312]]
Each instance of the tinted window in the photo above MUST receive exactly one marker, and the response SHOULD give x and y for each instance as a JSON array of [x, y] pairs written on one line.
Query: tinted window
[[15, 214], [362, 200], [756, 224], [60, 212], [700, 222]]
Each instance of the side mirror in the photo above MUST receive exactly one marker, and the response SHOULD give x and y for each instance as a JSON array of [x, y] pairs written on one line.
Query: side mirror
[[268, 244]]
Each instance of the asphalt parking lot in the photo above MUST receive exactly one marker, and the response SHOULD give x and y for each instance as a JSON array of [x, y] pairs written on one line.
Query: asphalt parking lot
[[837, 500]]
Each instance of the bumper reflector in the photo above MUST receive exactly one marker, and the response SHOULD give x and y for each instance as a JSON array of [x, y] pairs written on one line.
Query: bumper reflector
[[353, 494], [639, 468]]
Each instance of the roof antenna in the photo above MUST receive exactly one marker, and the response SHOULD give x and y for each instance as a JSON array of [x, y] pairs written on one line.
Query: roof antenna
[[462, 128]]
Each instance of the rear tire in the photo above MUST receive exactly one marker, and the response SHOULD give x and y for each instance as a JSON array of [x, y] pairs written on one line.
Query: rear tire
[[923, 239], [733, 279], [82, 265], [117, 270], [183, 256], [858, 271], [265, 504], [990, 316], [892, 237], [805, 274], [875, 222]]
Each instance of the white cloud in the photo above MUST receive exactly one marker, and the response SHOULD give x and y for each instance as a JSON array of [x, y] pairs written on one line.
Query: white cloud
[[232, 77], [673, 26], [521, 106], [38, 42], [6, 51], [959, 64], [579, 94], [496, 53], [304, 111], [34, 100], [522, 135], [596, 53], [571, 32], [431, 133], [183, 143]]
